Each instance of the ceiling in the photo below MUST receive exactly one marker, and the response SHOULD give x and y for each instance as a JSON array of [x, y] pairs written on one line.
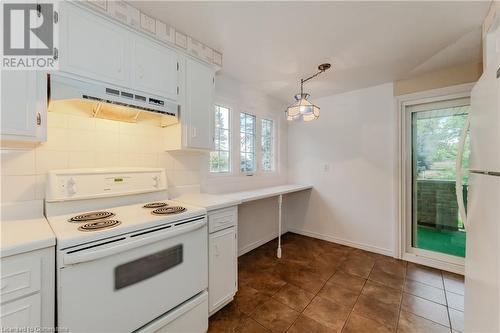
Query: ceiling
[[270, 45]]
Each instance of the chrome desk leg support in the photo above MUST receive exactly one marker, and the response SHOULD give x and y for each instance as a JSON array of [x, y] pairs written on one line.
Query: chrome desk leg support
[[280, 202]]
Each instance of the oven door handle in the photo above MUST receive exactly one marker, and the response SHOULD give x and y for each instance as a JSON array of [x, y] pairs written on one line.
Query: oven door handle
[[85, 256]]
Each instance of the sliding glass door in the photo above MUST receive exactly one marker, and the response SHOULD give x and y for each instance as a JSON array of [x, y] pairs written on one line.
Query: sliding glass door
[[434, 228]]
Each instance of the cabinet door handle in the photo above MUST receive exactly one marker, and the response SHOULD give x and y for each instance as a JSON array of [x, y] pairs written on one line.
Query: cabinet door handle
[[38, 119], [56, 53]]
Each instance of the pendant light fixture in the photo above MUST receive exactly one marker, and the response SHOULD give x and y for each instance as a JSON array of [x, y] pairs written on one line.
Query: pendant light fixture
[[302, 109]]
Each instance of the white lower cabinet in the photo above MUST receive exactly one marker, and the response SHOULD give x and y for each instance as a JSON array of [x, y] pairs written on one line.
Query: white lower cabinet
[[27, 283], [222, 265]]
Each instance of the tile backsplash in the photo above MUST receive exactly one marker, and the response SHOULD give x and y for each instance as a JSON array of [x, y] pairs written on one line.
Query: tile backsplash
[[82, 142]]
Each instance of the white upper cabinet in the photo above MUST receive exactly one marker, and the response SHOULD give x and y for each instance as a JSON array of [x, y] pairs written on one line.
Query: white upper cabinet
[[155, 68], [92, 46], [24, 106], [195, 131], [199, 105], [96, 48]]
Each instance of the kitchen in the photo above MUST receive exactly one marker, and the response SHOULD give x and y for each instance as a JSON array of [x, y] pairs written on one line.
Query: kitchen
[[168, 162]]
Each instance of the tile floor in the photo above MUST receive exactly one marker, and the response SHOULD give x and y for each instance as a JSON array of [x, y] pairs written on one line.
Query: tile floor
[[320, 286]]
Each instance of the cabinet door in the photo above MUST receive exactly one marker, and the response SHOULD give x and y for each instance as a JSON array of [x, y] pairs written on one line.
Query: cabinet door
[[23, 105], [24, 312], [222, 267], [199, 105], [92, 46], [155, 68]]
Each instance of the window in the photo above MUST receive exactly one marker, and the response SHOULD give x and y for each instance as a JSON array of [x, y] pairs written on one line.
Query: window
[[247, 142], [267, 145], [220, 157]]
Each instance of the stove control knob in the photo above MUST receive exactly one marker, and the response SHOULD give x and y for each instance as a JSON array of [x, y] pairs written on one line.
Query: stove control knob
[[156, 181], [71, 186]]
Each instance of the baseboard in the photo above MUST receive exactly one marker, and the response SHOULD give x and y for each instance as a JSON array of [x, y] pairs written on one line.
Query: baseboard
[[369, 248]]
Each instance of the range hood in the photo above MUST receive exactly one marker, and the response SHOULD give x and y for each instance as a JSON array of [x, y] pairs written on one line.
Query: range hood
[[102, 100]]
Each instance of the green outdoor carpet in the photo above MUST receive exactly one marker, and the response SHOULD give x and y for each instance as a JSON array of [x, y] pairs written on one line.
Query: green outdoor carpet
[[444, 241]]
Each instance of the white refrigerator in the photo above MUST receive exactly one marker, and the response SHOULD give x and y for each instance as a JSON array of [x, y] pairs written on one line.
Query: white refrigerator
[[482, 260]]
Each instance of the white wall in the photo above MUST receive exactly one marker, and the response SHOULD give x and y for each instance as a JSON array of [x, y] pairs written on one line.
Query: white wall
[[349, 156]]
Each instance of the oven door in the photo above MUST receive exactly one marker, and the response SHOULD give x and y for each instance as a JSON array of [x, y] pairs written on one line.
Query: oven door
[[124, 283]]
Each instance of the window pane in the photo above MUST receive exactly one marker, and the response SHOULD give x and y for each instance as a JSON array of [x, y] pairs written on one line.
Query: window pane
[[242, 162], [250, 158], [267, 145], [247, 142], [242, 122], [224, 117], [224, 162], [250, 124], [250, 143], [220, 157], [217, 139], [224, 139], [242, 142], [214, 161]]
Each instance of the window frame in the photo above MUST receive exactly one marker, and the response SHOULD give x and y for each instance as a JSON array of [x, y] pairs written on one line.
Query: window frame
[[235, 109], [402, 201], [230, 141]]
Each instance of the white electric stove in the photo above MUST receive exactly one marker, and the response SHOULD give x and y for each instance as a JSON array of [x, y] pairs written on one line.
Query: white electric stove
[[128, 258]]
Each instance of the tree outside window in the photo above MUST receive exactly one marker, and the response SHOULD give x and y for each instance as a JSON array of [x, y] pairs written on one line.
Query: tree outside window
[[267, 145], [220, 157], [247, 142]]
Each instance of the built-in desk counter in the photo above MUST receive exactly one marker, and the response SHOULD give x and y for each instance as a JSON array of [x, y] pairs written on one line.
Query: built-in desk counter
[[219, 201]]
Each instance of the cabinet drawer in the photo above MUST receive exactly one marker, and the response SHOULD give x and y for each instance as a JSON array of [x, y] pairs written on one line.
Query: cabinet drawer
[[21, 275], [222, 218]]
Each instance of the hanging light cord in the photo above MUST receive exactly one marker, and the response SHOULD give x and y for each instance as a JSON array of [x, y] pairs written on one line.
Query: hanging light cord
[[322, 68]]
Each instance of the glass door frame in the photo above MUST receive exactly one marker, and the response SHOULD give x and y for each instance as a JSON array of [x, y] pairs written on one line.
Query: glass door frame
[[406, 250]]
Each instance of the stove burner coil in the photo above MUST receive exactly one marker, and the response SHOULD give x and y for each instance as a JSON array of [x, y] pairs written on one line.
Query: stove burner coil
[[91, 216], [155, 205], [168, 210], [99, 225]]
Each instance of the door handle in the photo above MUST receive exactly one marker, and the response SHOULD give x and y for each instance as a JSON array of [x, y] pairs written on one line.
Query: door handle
[[86, 256]]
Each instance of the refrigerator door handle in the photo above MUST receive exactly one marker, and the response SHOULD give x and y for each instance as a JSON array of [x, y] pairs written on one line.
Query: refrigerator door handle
[[458, 166]]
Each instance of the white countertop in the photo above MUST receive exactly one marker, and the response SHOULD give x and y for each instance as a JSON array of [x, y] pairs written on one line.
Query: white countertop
[[209, 201], [268, 192], [19, 236], [218, 201]]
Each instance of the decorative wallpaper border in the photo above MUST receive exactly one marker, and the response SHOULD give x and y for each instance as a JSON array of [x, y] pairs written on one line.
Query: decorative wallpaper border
[[134, 18]]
